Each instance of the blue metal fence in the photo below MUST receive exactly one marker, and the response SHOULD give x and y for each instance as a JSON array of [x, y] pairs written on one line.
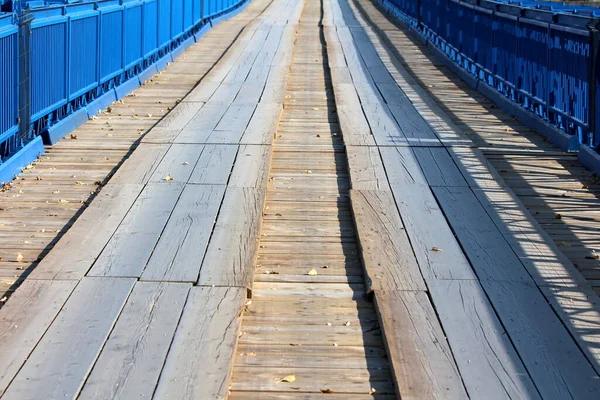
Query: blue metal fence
[[542, 56], [75, 58]]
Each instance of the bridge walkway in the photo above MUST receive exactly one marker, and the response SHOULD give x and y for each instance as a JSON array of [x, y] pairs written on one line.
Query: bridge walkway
[[322, 215]]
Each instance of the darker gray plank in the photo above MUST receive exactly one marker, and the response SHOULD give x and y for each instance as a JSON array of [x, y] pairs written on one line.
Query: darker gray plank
[[236, 118], [402, 167], [61, 361], [134, 354], [24, 319], [128, 251], [488, 363], [181, 247], [422, 363], [388, 257], [438, 167], [437, 250], [201, 356]]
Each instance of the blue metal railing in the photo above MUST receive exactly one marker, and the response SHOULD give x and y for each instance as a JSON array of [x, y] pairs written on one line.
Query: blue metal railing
[[73, 58], [542, 56]]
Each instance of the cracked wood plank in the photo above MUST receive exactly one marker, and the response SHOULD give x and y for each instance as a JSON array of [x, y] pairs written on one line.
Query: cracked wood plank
[[366, 168], [231, 253], [201, 357], [61, 361], [438, 167], [251, 167], [132, 358], [402, 166], [214, 165], [76, 251], [422, 363], [388, 257], [487, 361], [24, 319], [183, 242], [178, 163], [128, 251], [141, 164]]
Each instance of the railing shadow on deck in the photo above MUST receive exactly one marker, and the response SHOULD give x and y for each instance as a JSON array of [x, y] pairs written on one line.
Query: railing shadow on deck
[[578, 314]]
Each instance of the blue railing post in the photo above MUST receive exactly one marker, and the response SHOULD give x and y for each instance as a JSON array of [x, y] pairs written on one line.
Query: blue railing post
[[593, 124], [24, 89]]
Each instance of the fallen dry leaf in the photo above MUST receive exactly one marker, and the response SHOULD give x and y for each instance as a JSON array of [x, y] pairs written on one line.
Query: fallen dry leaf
[[436, 249], [73, 136], [326, 391], [168, 178], [289, 378], [20, 257], [312, 272]]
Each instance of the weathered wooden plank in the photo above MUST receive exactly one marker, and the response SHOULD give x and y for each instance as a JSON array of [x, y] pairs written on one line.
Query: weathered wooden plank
[[263, 124], [383, 125], [236, 118], [402, 167], [388, 257], [180, 115], [61, 361], [203, 123], [229, 260], [475, 168], [251, 167], [140, 165], [491, 256], [438, 167], [488, 363], [128, 251], [366, 168], [224, 137], [557, 366], [74, 254], [178, 163], [183, 242], [132, 358], [199, 362], [214, 165], [24, 319], [421, 359], [437, 251]]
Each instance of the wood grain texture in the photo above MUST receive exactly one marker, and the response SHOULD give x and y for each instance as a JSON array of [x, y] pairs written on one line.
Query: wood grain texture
[[214, 165], [229, 260], [199, 362], [438, 167], [178, 163], [435, 246], [24, 319], [421, 359], [133, 356], [489, 253], [77, 250], [251, 167], [203, 123], [140, 165], [487, 361], [128, 251], [388, 257], [366, 168], [61, 361], [181, 247], [263, 124], [402, 166], [557, 366]]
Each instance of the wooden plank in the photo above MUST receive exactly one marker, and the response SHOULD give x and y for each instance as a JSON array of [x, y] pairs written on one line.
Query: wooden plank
[[140, 165], [229, 260], [251, 168], [214, 165], [236, 118], [201, 356], [383, 125], [553, 360], [366, 168], [436, 249], [24, 319], [578, 307], [263, 124], [180, 115], [203, 123], [178, 163], [132, 358], [128, 251], [438, 167], [61, 361], [388, 257], [402, 167], [483, 352], [74, 254], [183, 242], [224, 137], [475, 168], [491, 256], [422, 363]]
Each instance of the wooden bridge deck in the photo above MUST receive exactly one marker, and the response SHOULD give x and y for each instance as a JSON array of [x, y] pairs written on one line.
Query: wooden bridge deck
[[327, 213]]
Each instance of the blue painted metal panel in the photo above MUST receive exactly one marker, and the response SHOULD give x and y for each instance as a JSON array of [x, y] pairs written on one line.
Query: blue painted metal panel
[[150, 28], [111, 40], [83, 49], [132, 33], [8, 76]]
